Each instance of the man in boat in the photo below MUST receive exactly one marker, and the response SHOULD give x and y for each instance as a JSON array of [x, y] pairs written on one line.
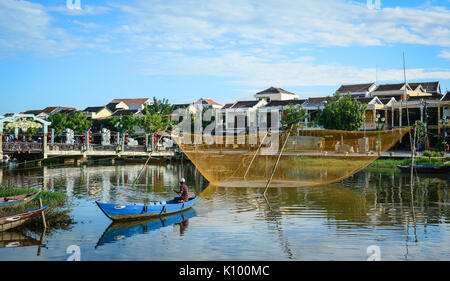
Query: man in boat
[[183, 192]]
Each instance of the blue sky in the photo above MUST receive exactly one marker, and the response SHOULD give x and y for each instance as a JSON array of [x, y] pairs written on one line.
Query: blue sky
[[225, 50]]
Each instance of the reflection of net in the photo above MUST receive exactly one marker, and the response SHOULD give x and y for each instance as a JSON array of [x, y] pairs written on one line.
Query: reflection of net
[[313, 157]]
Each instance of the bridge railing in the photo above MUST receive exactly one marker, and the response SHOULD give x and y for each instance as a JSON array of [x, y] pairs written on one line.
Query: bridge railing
[[21, 146]]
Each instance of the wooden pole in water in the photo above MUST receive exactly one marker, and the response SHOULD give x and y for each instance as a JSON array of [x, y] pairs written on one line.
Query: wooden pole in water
[[140, 172], [254, 156], [42, 214]]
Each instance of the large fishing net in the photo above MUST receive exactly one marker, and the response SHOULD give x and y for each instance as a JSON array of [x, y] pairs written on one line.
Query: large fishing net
[[302, 157]]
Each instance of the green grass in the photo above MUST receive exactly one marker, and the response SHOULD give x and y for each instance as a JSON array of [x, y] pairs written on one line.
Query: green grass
[[391, 163], [52, 198]]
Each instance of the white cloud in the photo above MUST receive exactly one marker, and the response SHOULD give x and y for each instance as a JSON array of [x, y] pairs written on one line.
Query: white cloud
[[26, 27], [84, 10], [445, 54], [253, 71], [283, 22]]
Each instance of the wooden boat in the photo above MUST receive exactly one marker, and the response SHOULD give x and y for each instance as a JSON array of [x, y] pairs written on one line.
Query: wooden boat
[[119, 230], [425, 168], [139, 211], [13, 201], [11, 221]]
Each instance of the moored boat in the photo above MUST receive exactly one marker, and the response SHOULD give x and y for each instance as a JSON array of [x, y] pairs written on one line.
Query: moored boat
[[13, 201], [11, 221], [139, 211]]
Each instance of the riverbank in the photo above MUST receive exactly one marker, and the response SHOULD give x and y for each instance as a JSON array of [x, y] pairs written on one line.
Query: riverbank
[[392, 163]]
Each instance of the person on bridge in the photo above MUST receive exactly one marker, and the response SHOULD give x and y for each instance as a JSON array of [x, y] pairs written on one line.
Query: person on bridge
[[183, 192]]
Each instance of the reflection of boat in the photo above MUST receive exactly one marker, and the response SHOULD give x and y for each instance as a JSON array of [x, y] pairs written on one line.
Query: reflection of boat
[[15, 240], [425, 168], [11, 221], [13, 201], [123, 229], [137, 211], [306, 158]]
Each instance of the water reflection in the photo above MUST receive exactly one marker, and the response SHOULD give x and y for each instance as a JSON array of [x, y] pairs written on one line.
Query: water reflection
[[336, 221], [120, 230]]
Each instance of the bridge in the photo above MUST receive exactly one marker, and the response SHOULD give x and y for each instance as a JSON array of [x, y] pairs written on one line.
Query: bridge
[[33, 150], [45, 146]]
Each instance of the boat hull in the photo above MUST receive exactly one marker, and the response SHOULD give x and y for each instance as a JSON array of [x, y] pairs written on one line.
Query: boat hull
[[12, 221], [139, 211], [14, 201]]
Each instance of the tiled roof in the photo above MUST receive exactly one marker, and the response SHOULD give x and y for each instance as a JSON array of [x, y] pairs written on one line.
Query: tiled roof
[[131, 101], [94, 109], [446, 97], [112, 106], [273, 90], [184, 105], [429, 87], [244, 104], [122, 112], [316, 100], [284, 102], [389, 87], [35, 112], [228, 105], [354, 88], [209, 101]]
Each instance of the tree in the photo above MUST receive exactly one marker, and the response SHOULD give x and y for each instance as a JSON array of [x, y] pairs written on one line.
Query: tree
[[125, 123], [293, 116], [156, 116], [341, 112], [78, 122], [58, 122]]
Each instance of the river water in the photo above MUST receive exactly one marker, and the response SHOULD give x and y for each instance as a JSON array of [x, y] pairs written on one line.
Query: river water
[[369, 215]]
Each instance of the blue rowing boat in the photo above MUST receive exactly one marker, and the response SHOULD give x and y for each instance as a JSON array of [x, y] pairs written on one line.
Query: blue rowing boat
[[139, 211], [119, 230]]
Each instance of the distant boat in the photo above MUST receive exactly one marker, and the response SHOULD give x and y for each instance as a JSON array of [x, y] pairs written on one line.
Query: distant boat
[[139, 211], [122, 229], [13, 201], [425, 168], [11, 221]]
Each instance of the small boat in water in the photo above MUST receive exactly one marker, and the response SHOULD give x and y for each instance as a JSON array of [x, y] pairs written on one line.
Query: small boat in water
[[11, 221], [139, 211], [425, 168], [13, 201], [119, 230]]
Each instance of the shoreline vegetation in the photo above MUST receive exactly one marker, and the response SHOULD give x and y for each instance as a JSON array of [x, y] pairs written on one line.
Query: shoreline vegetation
[[392, 163], [56, 216]]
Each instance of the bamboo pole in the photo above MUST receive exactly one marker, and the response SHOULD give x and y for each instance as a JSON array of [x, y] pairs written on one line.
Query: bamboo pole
[[276, 163], [254, 156], [140, 172], [44, 221]]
